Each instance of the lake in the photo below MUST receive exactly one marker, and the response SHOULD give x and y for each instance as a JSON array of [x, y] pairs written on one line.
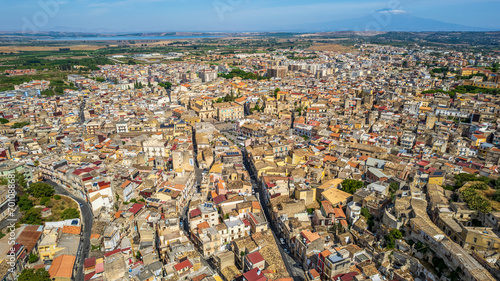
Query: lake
[[126, 38]]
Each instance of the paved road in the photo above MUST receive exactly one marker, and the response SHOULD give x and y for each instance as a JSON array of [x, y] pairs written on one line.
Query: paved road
[[8, 220], [295, 273], [88, 219], [82, 108]]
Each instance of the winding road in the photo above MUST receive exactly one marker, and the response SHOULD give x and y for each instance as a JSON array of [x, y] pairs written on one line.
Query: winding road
[[87, 220]]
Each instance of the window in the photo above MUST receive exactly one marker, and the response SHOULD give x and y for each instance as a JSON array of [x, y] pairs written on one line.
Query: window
[[475, 240]]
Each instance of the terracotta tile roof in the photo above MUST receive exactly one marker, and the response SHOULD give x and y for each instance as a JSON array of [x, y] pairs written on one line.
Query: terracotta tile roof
[[29, 237], [90, 262], [125, 184], [310, 236], [62, 266], [326, 253], [255, 257], [183, 265], [71, 229]]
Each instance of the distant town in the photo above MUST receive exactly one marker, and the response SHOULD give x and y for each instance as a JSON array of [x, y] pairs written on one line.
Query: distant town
[[284, 160]]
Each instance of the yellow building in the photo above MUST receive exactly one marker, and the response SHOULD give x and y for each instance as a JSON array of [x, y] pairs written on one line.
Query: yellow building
[[478, 139], [336, 197], [75, 158], [436, 177], [48, 246], [71, 119], [192, 120], [306, 194], [296, 156]]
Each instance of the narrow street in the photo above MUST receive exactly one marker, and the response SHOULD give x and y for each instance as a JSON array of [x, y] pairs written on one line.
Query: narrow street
[[296, 273], [87, 220]]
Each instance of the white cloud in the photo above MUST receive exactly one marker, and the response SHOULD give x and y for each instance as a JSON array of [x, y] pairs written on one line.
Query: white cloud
[[390, 11]]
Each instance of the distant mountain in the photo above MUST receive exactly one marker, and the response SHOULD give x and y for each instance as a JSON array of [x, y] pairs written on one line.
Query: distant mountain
[[387, 20]]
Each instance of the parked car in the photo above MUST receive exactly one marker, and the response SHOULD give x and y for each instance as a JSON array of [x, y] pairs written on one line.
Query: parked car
[[282, 241], [298, 265]]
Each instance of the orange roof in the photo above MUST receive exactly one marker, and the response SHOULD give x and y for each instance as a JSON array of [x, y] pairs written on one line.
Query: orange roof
[[95, 236], [470, 170], [330, 158], [354, 165], [339, 213], [214, 194], [363, 158], [314, 273], [71, 229], [125, 184], [118, 214], [62, 266], [202, 225], [449, 165], [220, 185], [325, 253], [255, 205], [310, 236]]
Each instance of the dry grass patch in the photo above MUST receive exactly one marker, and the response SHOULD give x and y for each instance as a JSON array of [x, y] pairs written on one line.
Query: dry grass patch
[[332, 48]]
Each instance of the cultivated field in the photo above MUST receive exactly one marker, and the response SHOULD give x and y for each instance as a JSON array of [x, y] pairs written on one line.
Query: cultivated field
[[15, 49]]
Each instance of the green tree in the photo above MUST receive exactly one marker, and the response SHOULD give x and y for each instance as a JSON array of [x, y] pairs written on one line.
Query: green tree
[[275, 94], [70, 213], [475, 201], [19, 125], [350, 185], [44, 201], [20, 180], [4, 121], [396, 233], [33, 258], [391, 238], [41, 189], [32, 275], [496, 195], [462, 178], [32, 216], [393, 187], [24, 203], [365, 213]]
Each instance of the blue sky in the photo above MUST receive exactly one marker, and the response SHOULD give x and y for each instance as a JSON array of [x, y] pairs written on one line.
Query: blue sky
[[225, 15]]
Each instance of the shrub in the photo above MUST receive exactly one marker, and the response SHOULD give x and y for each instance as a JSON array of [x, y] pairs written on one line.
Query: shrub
[[475, 201], [70, 213], [57, 197], [25, 203], [45, 200], [33, 258], [41, 189]]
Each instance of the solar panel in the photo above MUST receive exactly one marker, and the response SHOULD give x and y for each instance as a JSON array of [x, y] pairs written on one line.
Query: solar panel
[[438, 173]]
